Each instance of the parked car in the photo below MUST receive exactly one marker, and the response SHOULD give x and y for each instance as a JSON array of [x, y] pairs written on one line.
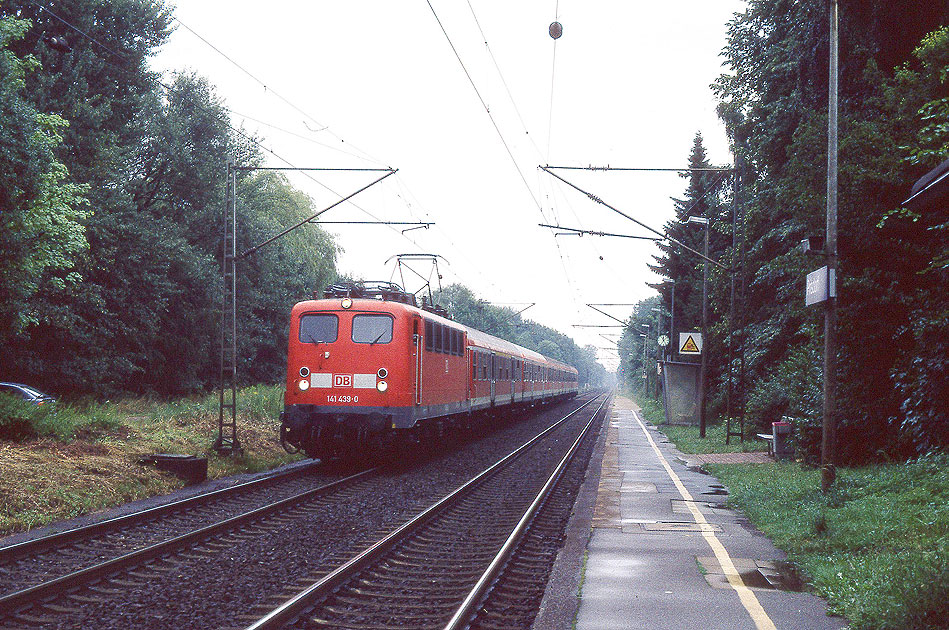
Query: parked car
[[25, 392]]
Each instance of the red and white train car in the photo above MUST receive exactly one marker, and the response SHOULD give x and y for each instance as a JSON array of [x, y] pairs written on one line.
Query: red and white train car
[[365, 372]]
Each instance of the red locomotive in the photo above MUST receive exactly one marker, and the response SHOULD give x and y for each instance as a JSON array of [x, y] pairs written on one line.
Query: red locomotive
[[367, 370]]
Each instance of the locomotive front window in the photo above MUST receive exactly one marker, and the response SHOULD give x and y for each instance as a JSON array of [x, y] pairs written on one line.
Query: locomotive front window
[[372, 329], [318, 328]]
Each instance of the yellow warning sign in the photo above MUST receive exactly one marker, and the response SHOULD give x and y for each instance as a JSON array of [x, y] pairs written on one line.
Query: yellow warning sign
[[690, 343]]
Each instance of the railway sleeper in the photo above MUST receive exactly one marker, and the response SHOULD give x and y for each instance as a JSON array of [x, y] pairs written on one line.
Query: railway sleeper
[[424, 603]]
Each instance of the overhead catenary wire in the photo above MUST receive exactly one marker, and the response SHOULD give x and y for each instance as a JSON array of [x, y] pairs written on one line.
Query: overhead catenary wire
[[487, 110], [596, 199], [215, 115], [277, 95], [317, 122], [560, 252], [506, 145], [497, 67]]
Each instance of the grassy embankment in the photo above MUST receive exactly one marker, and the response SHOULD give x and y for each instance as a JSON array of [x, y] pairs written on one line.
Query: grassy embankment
[[64, 460], [876, 547]]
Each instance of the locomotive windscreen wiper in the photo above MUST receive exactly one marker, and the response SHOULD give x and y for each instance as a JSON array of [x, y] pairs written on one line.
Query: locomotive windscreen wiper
[[376, 340]]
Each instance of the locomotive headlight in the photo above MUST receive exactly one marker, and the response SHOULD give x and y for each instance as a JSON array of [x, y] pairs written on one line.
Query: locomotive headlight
[[346, 303], [382, 386], [382, 373], [304, 385]]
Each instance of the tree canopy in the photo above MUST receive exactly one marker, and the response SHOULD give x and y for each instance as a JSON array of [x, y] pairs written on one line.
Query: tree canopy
[[893, 281], [466, 308], [113, 196]]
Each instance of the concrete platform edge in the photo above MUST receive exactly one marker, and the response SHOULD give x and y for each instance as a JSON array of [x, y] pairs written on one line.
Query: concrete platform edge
[[558, 608]]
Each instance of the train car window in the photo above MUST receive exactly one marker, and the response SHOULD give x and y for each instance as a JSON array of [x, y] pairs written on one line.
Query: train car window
[[453, 334], [372, 329], [437, 343], [429, 335], [322, 328]]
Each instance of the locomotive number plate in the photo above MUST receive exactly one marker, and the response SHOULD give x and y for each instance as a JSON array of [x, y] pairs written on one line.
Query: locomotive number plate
[[342, 399]]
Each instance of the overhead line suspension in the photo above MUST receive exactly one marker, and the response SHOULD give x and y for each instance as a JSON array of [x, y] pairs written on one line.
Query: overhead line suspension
[[636, 221]]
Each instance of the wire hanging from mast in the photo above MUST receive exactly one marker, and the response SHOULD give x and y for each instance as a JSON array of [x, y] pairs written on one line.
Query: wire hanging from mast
[[556, 31]]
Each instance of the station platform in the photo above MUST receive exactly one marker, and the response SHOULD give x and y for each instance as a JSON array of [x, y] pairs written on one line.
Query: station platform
[[651, 545]]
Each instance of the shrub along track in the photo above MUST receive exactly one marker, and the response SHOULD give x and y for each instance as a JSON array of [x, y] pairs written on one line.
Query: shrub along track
[[220, 576]]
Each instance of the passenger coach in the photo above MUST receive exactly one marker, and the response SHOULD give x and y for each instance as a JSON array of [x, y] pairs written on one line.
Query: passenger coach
[[367, 369]]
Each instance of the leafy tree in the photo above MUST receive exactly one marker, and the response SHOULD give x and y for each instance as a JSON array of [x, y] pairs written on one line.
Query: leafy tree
[[702, 199], [146, 316], [774, 108], [505, 323], [41, 224]]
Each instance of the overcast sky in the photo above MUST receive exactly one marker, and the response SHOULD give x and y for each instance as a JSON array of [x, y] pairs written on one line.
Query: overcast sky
[[373, 84]]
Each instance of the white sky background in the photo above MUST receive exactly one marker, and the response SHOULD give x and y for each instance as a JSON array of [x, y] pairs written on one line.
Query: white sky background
[[630, 89]]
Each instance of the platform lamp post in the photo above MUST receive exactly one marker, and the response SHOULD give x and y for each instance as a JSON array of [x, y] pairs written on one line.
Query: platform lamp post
[[645, 336], [829, 425], [660, 346], [672, 313], [704, 364]]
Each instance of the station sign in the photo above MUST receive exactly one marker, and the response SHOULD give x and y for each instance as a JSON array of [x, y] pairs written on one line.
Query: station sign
[[821, 285], [690, 343]]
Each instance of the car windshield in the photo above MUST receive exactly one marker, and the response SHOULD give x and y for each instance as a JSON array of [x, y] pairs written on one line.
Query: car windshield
[[372, 329], [322, 328]]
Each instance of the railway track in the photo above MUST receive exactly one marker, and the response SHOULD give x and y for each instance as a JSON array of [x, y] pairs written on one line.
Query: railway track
[[34, 561], [469, 558], [48, 570], [230, 566]]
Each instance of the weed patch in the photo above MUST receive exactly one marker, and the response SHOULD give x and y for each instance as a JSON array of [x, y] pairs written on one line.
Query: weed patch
[[687, 438], [69, 460], [876, 546]]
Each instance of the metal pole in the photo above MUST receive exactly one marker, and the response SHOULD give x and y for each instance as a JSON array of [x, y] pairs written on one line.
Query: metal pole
[[645, 371], [731, 309], [828, 436], [705, 339]]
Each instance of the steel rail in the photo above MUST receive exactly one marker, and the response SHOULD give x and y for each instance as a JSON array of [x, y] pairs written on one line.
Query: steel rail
[[461, 618], [27, 596], [295, 606], [18, 550]]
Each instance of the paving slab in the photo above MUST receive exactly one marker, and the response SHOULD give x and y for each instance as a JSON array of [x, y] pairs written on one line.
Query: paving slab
[[662, 550]]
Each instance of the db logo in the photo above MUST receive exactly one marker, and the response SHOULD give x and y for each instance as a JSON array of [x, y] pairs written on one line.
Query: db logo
[[342, 380]]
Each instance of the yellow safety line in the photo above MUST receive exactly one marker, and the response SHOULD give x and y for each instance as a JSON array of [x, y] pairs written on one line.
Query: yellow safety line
[[745, 594]]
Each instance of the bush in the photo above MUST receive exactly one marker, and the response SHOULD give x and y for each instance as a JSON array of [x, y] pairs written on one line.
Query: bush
[[19, 419]]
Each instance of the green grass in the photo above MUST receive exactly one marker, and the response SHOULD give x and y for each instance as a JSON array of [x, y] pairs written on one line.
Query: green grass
[[876, 546], [63, 460], [687, 438]]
